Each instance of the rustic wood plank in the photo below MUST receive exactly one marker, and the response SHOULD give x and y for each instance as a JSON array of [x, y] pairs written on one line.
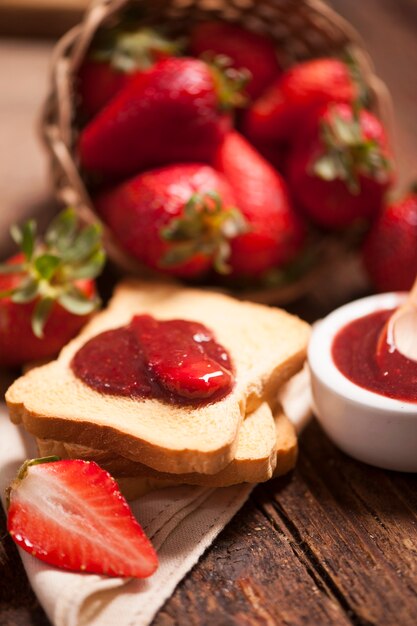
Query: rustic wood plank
[[254, 574], [357, 533]]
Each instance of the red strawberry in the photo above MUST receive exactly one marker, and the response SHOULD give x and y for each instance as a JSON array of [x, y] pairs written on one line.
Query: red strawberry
[[47, 293], [176, 218], [173, 112], [244, 48], [390, 250], [114, 61], [72, 515], [340, 167], [275, 234], [99, 82], [298, 93]]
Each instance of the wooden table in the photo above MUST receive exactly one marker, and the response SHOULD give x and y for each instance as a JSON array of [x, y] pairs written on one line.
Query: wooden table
[[335, 542]]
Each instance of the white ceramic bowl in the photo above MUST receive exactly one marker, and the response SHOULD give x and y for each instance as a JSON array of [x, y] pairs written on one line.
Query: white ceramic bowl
[[368, 426]]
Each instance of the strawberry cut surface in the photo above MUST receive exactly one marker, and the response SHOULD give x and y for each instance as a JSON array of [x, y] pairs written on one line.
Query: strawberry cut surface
[[71, 514], [175, 360]]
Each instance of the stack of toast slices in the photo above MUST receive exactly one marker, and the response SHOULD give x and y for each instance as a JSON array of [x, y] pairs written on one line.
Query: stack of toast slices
[[150, 443]]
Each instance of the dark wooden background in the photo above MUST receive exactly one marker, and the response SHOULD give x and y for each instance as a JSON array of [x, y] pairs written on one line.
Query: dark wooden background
[[336, 542]]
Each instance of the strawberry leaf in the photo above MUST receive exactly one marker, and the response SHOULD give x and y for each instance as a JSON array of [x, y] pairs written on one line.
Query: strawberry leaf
[[346, 131], [325, 167], [24, 237], [140, 50], [46, 265], [40, 316], [91, 266], [76, 302], [205, 227], [128, 51], [84, 244], [229, 82], [26, 292], [69, 253], [348, 154], [220, 258], [61, 232], [180, 253]]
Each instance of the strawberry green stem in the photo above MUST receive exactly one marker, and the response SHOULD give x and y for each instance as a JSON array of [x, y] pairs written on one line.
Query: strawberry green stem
[[348, 154], [229, 82], [205, 227], [128, 51], [50, 269]]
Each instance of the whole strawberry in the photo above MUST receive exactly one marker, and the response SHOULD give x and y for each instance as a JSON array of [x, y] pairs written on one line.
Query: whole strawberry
[[390, 250], [114, 60], [275, 234], [47, 293], [244, 48], [177, 218], [71, 514], [174, 112], [340, 166], [297, 94]]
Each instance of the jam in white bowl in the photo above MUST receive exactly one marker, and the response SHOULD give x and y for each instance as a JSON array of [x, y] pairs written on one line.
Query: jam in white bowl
[[371, 421]]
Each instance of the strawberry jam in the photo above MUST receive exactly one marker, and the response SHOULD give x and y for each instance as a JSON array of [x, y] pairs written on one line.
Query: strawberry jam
[[386, 371], [177, 361]]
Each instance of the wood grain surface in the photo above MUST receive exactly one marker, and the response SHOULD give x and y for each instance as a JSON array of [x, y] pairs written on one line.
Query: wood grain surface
[[336, 542]]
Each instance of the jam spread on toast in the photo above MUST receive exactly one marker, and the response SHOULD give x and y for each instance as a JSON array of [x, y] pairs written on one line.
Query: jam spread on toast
[[387, 372], [176, 360]]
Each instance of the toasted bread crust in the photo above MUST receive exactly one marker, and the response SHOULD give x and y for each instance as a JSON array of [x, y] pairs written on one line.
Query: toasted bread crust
[[259, 456], [286, 457]]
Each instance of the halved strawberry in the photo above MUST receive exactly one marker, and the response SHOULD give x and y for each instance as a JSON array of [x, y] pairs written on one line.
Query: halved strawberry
[[71, 514]]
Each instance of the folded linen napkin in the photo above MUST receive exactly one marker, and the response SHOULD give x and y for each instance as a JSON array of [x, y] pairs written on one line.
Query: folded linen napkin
[[181, 522]]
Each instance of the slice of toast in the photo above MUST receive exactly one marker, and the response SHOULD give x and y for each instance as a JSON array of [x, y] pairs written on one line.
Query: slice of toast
[[255, 457], [286, 456], [267, 347], [267, 447]]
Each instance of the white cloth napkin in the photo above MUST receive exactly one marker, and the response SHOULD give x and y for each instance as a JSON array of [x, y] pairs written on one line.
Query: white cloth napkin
[[181, 522]]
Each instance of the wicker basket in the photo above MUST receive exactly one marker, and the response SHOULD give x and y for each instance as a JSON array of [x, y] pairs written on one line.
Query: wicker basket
[[301, 29]]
